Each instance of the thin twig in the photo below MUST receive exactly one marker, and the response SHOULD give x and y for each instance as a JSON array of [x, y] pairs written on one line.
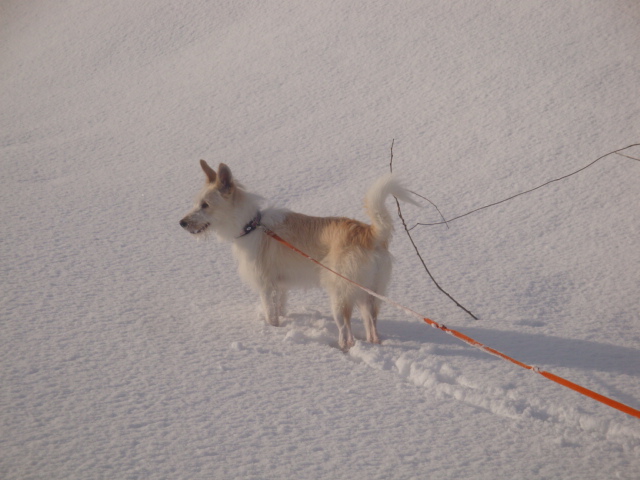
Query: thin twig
[[444, 220], [436, 207], [533, 189], [406, 229], [632, 158]]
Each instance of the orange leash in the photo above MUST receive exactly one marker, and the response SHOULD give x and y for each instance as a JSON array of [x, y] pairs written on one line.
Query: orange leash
[[474, 343]]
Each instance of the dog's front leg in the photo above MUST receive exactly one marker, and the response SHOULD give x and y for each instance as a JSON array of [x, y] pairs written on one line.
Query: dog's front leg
[[282, 302], [271, 305]]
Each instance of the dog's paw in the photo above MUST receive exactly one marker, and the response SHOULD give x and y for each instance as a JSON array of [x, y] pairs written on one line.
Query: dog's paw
[[273, 321], [345, 345]]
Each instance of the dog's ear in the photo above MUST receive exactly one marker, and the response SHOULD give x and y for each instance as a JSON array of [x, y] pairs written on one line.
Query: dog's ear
[[225, 179], [209, 172]]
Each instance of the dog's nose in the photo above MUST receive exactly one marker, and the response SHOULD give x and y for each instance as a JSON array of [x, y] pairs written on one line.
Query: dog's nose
[[183, 223]]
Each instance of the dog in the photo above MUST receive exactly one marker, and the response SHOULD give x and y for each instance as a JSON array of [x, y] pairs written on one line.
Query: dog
[[352, 248]]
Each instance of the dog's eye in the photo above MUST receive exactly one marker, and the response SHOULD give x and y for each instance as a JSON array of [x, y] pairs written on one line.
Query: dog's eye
[[204, 205]]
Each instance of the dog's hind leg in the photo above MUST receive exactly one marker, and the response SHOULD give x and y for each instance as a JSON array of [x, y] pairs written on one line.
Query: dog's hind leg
[[342, 315], [369, 307]]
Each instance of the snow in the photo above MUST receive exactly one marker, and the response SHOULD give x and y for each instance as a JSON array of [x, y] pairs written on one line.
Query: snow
[[129, 350]]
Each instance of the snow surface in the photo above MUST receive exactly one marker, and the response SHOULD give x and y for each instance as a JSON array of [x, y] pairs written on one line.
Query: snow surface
[[131, 351]]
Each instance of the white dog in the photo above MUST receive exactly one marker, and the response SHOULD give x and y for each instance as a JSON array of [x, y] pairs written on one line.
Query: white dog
[[354, 249]]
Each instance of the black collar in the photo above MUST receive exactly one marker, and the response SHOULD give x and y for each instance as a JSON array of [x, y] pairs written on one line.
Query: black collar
[[252, 225]]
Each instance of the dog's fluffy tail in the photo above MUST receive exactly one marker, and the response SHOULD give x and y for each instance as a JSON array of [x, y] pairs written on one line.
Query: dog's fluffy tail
[[375, 205]]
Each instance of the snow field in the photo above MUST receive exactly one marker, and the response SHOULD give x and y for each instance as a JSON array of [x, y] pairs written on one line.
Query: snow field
[[130, 351]]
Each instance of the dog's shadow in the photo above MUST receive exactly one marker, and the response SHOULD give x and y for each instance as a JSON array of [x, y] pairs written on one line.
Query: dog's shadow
[[312, 326], [532, 348]]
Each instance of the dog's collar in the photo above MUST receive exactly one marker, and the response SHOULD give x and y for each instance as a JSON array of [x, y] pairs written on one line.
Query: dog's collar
[[252, 225]]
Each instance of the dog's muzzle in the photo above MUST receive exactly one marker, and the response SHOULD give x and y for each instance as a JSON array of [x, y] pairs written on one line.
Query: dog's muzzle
[[191, 228]]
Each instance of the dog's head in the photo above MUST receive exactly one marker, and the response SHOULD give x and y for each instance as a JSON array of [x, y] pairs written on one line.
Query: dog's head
[[216, 205]]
